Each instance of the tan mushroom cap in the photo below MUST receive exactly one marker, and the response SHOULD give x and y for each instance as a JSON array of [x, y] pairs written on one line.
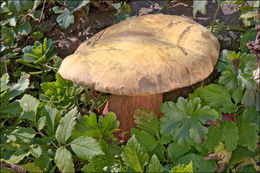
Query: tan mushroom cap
[[144, 55]]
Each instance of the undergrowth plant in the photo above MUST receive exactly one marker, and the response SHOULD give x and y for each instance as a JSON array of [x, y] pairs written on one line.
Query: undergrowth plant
[[49, 124]]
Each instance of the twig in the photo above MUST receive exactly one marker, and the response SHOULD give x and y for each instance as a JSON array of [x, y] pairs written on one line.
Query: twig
[[42, 10], [215, 16], [14, 167]]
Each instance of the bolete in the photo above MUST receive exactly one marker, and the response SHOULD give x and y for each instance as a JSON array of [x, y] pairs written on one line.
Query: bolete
[[138, 59]]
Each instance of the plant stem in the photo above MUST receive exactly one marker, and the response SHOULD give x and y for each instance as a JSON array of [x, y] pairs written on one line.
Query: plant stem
[[95, 102], [215, 16]]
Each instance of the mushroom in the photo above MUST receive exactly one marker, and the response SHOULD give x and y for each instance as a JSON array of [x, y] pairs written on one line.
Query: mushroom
[[139, 59]]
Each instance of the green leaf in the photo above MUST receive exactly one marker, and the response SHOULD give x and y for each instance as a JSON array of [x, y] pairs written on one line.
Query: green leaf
[[38, 35], [249, 35], [87, 126], [107, 124], [199, 6], [25, 28], [182, 168], [185, 120], [248, 133], [63, 160], [29, 105], [41, 123], [26, 4], [31, 167], [176, 150], [237, 95], [154, 165], [16, 89], [50, 114], [62, 93], [133, 155], [219, 97], [23, 134], [251, 99], [17, 156], [213, 137], [145, 139], [239, 154], [4, 82], [65, 18], [198, 163], [66, 126], [43, 162], [229, 135], [12, 108], [86, 147]]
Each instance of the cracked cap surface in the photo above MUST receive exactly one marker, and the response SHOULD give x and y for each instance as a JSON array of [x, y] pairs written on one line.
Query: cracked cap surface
[[144, 55]]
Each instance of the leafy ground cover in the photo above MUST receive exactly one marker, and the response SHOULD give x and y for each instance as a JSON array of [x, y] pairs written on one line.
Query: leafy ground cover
[[49, 124]]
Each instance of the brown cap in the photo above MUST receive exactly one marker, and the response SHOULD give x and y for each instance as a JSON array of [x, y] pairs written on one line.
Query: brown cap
[[144, 55]]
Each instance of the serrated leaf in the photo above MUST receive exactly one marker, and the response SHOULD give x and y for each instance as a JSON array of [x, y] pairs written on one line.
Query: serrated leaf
[[24, 134], [63, 160], [229, 133], [248, 132], [199, 6], [198, 163], [134, 156], [108, 124], [184, 120], [87, 126], [66, 126], [213, 137], [176, 150], [86, 147], [65, 19], [31, 167], [16, 89], [29, 105], [50, 114], [182, 168], [239, 154], [249, 35], [154, 165], [237, 95], [218, 97], [17, 156], [25, 28], [145, 139], [43, 162]]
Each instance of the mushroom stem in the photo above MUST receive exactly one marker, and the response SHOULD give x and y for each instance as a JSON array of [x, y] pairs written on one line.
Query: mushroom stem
[[124, 107]]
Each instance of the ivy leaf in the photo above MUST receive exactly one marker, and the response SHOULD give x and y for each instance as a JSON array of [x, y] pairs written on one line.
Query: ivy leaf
[[25, 28], [219, 97], [86, 147], [29, 105], [63, 160], [66, 126], [198, 163], [176, 150], [199, 6], [133, 155], [248, 132], [184, 120], [155, 165], [182, 168], [230, 135], [213, 137]]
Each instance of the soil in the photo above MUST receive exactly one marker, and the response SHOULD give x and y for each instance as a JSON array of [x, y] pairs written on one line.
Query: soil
[[67, 41]]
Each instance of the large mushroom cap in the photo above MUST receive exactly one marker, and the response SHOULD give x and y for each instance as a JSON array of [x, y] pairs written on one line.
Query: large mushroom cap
[[144, 55]]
